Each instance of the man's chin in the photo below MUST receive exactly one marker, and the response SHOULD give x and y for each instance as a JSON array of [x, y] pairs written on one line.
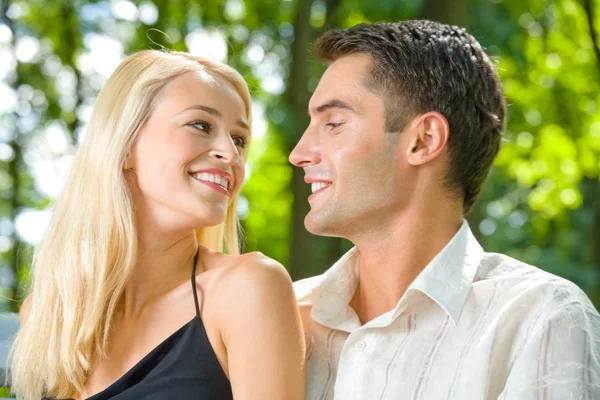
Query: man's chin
[[318, 225]]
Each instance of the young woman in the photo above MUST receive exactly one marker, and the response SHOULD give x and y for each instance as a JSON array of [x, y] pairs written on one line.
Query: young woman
[[132, 297]]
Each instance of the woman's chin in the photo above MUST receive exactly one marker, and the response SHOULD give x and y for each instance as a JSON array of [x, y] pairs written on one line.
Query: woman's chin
[[205, 221]]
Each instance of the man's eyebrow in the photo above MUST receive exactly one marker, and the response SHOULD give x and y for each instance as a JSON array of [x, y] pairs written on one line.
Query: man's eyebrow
[[335, 103], [215, 112]]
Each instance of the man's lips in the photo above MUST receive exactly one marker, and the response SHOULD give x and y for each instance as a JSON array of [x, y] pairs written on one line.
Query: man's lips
[[313, 179], [318, 188], [317, 185]]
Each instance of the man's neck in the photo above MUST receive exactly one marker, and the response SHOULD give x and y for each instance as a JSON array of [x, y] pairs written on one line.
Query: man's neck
[[393, 257]]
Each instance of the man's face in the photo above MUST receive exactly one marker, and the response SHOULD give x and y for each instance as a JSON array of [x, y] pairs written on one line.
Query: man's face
[[354, 166]]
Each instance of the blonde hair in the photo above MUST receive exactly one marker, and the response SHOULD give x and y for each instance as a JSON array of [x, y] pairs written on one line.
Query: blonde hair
[[83, 263]]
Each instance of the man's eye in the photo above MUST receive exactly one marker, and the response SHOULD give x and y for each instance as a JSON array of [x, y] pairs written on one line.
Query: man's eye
[[333, 125]]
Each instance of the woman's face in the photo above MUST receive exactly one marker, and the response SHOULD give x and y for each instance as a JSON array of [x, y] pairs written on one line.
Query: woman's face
[[187, 161]]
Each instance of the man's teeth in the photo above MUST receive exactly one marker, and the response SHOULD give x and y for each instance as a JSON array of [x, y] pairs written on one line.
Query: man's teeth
[[318, 186], [219, 180]]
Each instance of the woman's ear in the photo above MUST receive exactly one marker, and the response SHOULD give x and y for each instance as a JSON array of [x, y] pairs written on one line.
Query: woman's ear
[[128, 164], [432, 133]]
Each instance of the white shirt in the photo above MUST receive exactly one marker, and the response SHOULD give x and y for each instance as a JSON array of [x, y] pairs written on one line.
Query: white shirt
[[472, 325]]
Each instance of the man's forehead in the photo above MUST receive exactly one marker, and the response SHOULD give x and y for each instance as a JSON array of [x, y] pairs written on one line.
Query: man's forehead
[[348, 69], [350, 89], [340, 99]]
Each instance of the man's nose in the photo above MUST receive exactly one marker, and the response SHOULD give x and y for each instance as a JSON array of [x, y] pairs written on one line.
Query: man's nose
[[307, 151]]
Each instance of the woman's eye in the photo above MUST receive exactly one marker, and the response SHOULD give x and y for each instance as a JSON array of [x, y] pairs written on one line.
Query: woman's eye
[[333, 125], [240, 141], [201, 125]]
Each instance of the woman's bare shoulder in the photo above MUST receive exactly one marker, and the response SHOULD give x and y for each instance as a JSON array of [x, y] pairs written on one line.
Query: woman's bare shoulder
[[246, 265], [252, 276], [259, 320], [256, 265]]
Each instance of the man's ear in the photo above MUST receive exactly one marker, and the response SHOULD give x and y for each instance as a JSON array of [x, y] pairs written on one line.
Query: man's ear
[[432, 133]]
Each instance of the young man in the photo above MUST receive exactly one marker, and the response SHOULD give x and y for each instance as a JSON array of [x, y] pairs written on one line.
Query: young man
[[405, 125]]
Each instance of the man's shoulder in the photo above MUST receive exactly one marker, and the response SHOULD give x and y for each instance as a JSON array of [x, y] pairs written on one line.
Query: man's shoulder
[[534, 286], [496, 266]]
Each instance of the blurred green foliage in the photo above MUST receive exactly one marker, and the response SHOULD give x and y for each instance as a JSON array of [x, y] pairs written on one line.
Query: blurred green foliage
[[541, 203]]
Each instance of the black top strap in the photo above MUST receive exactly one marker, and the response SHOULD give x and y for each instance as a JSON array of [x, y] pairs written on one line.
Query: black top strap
[[194, 282]]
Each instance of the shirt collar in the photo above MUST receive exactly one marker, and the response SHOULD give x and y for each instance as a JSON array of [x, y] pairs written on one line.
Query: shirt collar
[[329, 294], [447, 280]]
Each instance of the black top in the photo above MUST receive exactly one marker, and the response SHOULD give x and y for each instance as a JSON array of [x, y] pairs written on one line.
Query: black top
[[183, 366]]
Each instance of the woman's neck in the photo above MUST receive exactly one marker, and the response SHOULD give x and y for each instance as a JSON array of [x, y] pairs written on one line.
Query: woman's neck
[[163, 263]]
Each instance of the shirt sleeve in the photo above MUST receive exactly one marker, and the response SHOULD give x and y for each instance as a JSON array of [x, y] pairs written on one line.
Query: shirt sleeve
[[560, 359]]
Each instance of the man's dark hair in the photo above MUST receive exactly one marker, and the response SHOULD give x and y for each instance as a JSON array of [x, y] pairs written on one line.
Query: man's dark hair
[[422, 66]]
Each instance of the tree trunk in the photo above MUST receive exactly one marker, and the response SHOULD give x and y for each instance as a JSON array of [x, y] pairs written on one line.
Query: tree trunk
[[595, 232], [595, 242], [302, 249], [68, 13], [309, 255], [591, 18]]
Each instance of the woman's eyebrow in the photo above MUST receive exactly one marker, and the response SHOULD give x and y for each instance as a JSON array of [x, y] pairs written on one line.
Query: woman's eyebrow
[[210, 110], [215, 112]]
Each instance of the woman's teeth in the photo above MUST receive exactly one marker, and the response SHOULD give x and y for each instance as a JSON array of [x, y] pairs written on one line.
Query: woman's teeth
[[219, 180]]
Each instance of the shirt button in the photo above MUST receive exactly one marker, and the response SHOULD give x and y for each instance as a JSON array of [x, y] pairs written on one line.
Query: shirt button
[[360, 346]]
